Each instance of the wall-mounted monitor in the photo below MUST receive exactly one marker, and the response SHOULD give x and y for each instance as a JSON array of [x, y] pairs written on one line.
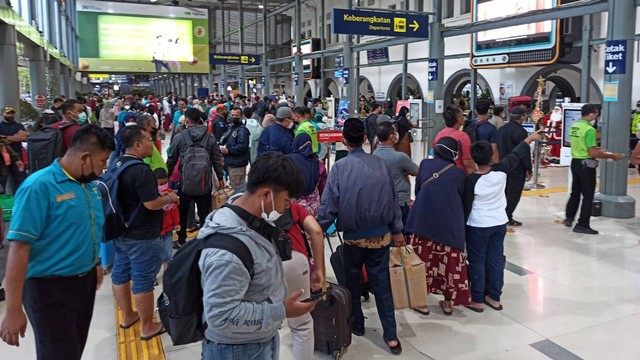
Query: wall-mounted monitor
[[128, 37], [520, 45]]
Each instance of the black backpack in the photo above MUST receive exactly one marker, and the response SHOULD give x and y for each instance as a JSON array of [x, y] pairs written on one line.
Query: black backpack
[[472, 131], [180, 305], [196, 168], [44, 146]]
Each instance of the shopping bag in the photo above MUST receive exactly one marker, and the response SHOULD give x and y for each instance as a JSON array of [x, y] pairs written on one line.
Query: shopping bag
[[220, 197], [408, 278]]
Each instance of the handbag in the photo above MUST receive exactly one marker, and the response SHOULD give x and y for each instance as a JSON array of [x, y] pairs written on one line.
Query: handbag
[[436, 175]]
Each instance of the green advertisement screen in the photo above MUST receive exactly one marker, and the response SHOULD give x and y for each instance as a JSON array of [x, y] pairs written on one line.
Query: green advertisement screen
[[111, 42]]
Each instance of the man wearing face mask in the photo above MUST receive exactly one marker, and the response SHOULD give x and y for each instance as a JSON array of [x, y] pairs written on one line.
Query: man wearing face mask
[[150, 124], [279, 137], [13, 133], [399, 163], [508, 138], [360, 195], [584, 152], [182, 108], [125, 109], [73, 116], [198, 136], [139, 253], [53, 267], [235, 148], [219, 126], [244, 312]]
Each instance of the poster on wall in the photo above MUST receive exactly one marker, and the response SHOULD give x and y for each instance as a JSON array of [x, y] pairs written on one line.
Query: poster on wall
[[127, 37], [400, 104], [343, 112], [506, 91]]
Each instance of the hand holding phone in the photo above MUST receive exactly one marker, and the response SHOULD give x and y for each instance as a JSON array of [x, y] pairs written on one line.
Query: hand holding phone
[[314, 296]]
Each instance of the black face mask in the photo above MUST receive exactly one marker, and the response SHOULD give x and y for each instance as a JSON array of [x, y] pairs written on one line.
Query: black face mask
[[9, 118], [88, 178], [236, 121], [154, 133]]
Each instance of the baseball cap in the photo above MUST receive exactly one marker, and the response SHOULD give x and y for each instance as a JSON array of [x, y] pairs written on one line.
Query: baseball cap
[[9, 109], [519, 111], [283, 113]]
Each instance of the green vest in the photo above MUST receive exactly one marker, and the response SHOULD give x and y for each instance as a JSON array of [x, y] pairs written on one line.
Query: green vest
[[582, 136], [308, 128]]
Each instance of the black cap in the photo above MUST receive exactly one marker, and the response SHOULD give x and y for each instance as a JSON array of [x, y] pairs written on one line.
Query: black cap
[[353, 131], [518, 111]]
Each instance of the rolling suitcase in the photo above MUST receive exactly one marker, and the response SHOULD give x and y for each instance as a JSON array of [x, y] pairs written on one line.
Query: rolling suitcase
[[338, 267], [332, 320]]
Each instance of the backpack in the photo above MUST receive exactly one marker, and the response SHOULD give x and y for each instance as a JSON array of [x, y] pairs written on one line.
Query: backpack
[[472, 131], [44, 146], [115, 225], [180, 305], [196, 168]]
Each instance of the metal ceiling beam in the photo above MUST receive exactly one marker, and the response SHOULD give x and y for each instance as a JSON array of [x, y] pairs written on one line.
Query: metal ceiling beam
[[579, 8]]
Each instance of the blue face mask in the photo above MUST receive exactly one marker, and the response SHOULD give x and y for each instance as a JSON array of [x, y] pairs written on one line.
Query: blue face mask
[[82, 118]]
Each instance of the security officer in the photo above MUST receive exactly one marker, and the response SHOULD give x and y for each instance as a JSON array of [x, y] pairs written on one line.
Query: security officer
[[584, 153]]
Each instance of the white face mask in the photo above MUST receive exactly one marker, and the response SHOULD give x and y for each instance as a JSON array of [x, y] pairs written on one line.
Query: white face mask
[[127, 107], [291, 124], [273, 215], [593, 122]]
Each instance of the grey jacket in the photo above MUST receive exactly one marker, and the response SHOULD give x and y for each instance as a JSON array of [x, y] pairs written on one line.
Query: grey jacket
[[238, 309], [199, 135], [360, 195]]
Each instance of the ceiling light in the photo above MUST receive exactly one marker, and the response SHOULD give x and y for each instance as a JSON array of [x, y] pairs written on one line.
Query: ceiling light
[[260, 6], [153, 0]]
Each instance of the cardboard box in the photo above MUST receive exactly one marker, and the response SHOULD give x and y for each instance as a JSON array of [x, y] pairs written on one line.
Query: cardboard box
[[408, 278], [220, 197]]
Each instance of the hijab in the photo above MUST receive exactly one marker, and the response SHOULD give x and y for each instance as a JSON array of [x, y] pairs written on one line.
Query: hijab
[[447, 149], [307, 162]]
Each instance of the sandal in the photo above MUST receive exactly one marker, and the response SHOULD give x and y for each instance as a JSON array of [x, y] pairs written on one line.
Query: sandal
[[125, 327], [496, 308], [478, 310], [441, 303], [514, 223], [158, 333], [422, 312]]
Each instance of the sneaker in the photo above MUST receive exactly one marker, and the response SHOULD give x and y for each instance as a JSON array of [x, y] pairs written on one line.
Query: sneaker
[[584, 230], [568, 222]]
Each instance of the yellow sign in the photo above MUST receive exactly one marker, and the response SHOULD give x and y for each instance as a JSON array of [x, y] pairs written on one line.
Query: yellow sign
[[399, 24], [244, 59]]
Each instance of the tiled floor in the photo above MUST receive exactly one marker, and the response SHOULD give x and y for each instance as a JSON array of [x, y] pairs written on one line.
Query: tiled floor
[[568, 296]]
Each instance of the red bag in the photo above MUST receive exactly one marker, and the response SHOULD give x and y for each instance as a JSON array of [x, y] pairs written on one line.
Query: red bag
[[175, 174], [167, 122]]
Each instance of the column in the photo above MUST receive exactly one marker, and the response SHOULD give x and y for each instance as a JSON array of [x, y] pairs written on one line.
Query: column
[[436, 52], [64, 80], [265, 44], [38, 73], [241, 78], [351, 91], [54, 74], [615, 118], [9, 92], [299, 89]]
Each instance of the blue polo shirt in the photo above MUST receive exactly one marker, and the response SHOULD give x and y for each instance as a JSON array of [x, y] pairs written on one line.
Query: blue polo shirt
[[62, 219]]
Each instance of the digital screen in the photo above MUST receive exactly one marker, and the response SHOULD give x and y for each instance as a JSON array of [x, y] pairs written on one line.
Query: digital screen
[[534, 36], [306, 47], [570, 116], [127, 37]]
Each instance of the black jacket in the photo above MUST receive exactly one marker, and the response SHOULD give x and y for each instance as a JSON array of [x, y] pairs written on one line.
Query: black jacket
[[198, 135], [219, 127], [236, 139]]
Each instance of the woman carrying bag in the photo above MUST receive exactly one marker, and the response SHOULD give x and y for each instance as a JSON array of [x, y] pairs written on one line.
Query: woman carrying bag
[[436, 225]]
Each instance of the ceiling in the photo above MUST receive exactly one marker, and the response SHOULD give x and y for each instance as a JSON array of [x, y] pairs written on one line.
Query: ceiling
[[247, 5]]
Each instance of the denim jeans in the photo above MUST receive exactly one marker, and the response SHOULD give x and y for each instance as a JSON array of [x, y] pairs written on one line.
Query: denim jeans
[[268, 350], [137, 260], [485, 247], [60, 311], [377, 263]]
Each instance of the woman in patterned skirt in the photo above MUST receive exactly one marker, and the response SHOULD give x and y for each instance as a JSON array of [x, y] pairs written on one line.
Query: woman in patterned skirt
[[436, 225]]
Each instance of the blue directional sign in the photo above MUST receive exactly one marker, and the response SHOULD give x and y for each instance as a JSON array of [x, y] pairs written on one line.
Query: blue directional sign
[[345, 75], [615, 57], [376, 23], [295, 78], [234, 59], [337, 74], [432, 73]]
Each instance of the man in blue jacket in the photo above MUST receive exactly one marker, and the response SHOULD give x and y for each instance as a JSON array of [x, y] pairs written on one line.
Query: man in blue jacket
[[235, 148], [279, 136], [360, 195]]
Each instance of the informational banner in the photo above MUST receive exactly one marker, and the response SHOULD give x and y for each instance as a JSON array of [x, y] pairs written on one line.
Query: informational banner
[[506, 91], [329, 136], [343, 112], [234, 59], [375, 56], [127, 37], [615, 57], [376, 23]]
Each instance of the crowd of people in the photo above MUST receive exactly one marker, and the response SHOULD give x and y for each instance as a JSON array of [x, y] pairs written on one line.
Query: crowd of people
[[465, 197]]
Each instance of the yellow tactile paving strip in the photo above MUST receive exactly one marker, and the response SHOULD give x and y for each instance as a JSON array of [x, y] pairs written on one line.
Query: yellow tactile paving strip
[[560, 189], [130, 347]]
